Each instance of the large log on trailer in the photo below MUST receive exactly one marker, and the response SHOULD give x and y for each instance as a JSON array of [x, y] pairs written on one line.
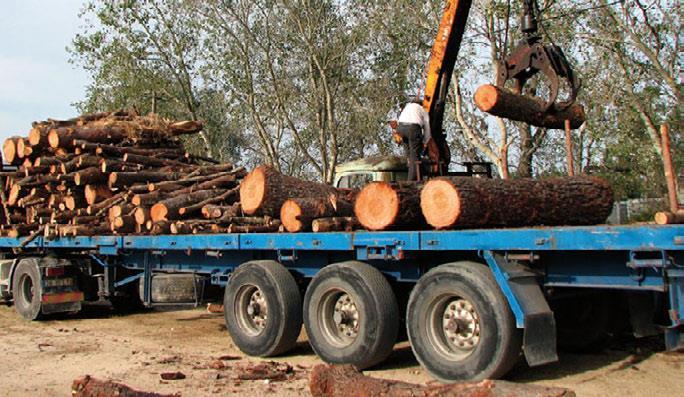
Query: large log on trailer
[[462, 202], [385, 206], [265, 190], [347, 381], [297, 214], [505, 104]]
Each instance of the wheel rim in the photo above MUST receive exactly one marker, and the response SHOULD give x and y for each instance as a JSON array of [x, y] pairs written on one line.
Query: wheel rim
[[453, 327], [27, 288], [251, 310], [339, 318]]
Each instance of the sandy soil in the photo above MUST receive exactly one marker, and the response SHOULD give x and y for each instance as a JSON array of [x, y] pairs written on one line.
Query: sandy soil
[[42, 359]]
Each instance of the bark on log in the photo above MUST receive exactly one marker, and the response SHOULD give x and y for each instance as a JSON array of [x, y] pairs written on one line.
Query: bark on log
[[91, 387], [385, 206], [296, 214], [92, 175], [335, 224], [347, 381], [168, 209], [96, 193], [463, 202], [120, 179], [265, 190], [503, 103]]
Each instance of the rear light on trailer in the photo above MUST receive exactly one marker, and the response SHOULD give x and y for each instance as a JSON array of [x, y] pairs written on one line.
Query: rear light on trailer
[[54, 271]]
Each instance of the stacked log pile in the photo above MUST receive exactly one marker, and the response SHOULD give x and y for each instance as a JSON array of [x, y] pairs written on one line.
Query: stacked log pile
[[117, 173]]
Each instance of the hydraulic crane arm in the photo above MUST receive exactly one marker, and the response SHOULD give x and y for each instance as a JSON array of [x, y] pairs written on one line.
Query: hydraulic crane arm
[[529, 58]]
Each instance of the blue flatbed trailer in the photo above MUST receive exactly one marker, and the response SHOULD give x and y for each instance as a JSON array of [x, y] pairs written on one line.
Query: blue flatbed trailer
[[471, 300]]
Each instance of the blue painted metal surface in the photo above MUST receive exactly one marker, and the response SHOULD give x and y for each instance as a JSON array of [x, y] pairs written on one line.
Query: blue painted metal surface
[[590, 238]]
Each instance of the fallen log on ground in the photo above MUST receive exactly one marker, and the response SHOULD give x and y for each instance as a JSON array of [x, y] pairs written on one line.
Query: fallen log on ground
[[462, 202], [347, 381], [91, 387], [384, 206], [505, 104]]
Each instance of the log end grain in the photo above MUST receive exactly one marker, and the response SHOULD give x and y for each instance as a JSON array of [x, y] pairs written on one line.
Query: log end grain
[[253, 190], [158, 212], [377, 206], [669, 218], [289, 215], [53, 138], [440, 203], [9, 150], [486, 97], [34, 136]]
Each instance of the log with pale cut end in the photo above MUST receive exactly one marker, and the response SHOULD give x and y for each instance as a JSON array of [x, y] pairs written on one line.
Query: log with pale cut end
[[9, 150], [462, 202], [335, 224], [669, 218], [38, 137], [23, 148], [385, 206], [265, 190], [347, 381], [505, 104], [64, 137], [298, 213], [96, 193], [168, 209]]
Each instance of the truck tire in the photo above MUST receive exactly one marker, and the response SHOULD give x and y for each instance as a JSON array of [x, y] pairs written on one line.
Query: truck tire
[[27, 289], [460, 325], [351, 315], [263, 308]]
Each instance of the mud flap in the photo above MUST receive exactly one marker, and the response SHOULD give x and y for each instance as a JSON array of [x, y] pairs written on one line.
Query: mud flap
[[60, 307], [528, 304]]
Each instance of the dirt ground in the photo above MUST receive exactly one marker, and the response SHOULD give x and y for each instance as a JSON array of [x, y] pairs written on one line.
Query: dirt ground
[[43, 358]]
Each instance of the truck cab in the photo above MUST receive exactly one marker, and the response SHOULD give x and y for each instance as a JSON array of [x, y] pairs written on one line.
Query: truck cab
[[356, 174]]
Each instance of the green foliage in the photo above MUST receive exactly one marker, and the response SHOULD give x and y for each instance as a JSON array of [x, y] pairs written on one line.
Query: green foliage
[[305, 85]]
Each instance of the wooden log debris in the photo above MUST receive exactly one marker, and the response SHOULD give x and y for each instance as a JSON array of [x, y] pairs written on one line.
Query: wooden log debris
[[503, 103], [347, 381], [90, 387]]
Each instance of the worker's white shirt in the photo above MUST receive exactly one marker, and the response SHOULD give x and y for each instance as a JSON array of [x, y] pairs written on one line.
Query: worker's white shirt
[[414, 113]]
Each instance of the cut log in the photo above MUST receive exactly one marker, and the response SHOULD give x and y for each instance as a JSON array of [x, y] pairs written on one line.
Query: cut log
[[120, 179], [9, 150], [265, 190], [298, 213], [38, 138], [347, 381], [64, 137], [670, 218], [385, 206], [229, 197], [505, 104], [142, 215], [92, 175], [168, 209], [335, 224], [463, 202], [96, 193]]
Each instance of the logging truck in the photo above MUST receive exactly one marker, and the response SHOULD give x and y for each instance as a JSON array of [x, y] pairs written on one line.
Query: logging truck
[[472, 303]]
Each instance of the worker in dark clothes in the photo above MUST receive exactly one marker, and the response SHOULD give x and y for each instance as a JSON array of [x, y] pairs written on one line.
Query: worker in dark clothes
[[414, 129]]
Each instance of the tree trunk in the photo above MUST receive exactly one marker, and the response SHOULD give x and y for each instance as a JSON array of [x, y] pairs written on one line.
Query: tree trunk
[[347, 381], [296, 214], [385, 206], [265, 190], [473, 202], [505, 104]]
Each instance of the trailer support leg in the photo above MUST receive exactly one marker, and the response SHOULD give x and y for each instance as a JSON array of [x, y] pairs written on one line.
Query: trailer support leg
[[528, 304]]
